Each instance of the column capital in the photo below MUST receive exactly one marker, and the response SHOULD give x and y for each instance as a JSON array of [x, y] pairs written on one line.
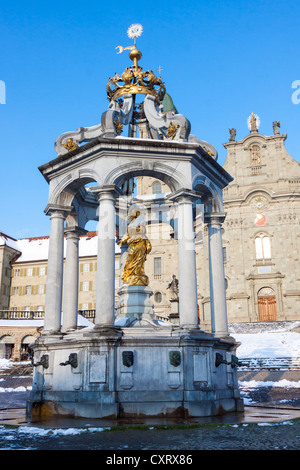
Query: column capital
[[214, 218], [110, 191], [183, 195], [74, 231], [57, 208]]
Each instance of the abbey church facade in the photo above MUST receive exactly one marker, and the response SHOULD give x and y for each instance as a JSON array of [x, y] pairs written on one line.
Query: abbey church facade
[[261, 232]]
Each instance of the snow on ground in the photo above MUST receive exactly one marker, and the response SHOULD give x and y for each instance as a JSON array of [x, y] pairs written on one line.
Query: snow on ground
[[5, 364], [268, 344]]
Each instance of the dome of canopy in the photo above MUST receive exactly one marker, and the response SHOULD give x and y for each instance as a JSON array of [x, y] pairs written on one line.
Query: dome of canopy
[[168, 104]]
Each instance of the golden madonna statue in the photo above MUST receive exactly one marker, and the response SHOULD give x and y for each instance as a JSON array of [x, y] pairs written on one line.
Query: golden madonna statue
[[138, 247]]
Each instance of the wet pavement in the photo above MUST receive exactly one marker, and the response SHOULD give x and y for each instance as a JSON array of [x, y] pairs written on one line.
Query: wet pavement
[[271, 423]]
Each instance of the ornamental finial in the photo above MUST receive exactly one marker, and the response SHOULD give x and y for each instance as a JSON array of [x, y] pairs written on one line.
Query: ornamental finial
[[134, 80], [133, 32]]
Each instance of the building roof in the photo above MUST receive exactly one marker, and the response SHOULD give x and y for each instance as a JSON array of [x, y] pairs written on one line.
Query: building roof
[[36, 248], [6, 240]]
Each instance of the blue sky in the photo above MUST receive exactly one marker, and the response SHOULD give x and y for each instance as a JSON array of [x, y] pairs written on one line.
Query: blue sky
[[220, 60]]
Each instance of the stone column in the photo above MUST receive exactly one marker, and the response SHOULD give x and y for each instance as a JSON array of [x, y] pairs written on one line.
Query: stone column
[[216, 274], [187, 277], [53, 298], [105, 283], [70, 294]]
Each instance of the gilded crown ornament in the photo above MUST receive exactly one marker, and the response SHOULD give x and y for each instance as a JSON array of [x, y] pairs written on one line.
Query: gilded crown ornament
[[152, 117], [134, 80]]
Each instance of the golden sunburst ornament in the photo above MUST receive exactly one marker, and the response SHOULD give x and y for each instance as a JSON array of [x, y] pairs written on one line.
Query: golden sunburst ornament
[[135, 30]]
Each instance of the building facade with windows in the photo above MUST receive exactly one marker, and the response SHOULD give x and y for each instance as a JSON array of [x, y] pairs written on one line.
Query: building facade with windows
[[262, 229]]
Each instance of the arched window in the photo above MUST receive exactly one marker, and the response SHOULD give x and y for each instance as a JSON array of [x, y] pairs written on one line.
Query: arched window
[[262, 246], [156, 188]]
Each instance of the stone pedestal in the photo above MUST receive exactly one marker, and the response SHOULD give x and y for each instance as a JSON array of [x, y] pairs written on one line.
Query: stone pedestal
[[135, 306], [174, 315], [130, 373]]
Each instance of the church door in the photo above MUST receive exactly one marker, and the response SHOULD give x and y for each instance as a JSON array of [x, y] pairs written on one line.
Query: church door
[[267, 308]]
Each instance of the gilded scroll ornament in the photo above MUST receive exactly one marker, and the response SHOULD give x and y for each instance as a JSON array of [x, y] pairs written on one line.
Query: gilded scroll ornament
[[172, 129], [118, 126], [70, 145]]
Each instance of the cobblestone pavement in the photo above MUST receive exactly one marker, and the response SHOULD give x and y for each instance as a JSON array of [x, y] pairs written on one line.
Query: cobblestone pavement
[[268, 425]]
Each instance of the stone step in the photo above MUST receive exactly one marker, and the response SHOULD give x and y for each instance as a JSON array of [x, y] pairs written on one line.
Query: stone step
[[265, 363]]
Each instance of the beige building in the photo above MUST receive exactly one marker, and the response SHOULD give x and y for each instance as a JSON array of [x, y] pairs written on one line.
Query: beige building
[[261, 245], [261, 232]]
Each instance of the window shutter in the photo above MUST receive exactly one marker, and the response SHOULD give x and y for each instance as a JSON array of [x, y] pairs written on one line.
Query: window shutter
[[80, 286], [90, 285]]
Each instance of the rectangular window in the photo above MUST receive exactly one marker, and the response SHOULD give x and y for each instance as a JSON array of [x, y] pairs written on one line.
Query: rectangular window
[[42, 271], [157, 265], [264, 269], [117, 264], [40, 308], [41, 289], [84, 306], [29, 272], [28, 290], [27, 309], [258, 248], [267, 247], [85, 286], [15, 290], [157, 268], [86, 267], [17, 273]]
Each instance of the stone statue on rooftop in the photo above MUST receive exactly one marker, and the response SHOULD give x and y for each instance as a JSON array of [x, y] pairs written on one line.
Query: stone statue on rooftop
[[232, 133], [276, 125]]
